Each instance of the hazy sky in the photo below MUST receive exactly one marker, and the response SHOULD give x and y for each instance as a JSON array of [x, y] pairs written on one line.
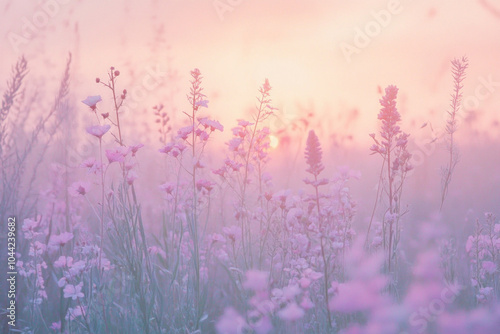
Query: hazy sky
[[236, 44]]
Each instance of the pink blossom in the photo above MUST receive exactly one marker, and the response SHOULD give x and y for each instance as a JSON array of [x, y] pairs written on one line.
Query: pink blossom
[[204, 184], [61, 239], [63, 262], [73, 291], [92, 101], [233, 232], [155, 250], [256, 280], [235, 166], [117, 154], [76, 312], [231, 322], [131, 177], [77, 268], [306, 303], [78, 188], [92, 165], [98, 130], [56, 326], [244, 123], [135, 148], [313, 154], [62, 282], [291, 312], [234, 144], [216, 237], [489, 267], [184, 132], [168, 187], [202, 103], [167, 148], [213, 125]]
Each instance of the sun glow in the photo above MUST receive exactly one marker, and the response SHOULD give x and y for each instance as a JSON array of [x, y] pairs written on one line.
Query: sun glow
[[274, 141]]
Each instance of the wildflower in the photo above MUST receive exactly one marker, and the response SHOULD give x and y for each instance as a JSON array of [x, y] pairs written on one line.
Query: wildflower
[[167, 148], [131, 177], [489, 267], [135, 148], [29, 225], [202, 103], [234, 144], [78, 188], [184, 132], [63, 262], [204, 184], [77, 268], [98, 130], [154, 250], [235, 166], [92, 165], [56, 326], [291, 312], [232, 232], [76, 312], [256, 280], [61, 239], [62, 282], [213, 125], [117, 155], [73, 291], [231, 322], [313, 154], [92, 101], [168, 187]]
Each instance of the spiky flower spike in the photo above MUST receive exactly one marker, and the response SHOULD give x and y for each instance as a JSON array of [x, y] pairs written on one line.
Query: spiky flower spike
[[389, 114], [313, 154]]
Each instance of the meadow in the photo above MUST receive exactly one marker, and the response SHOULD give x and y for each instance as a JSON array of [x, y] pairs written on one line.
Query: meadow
[[180, 236]]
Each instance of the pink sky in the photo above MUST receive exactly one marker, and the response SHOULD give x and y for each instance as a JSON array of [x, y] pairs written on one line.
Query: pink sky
[[296, 44]]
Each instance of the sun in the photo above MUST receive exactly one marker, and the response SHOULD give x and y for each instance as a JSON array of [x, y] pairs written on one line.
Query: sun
[[273, 141]]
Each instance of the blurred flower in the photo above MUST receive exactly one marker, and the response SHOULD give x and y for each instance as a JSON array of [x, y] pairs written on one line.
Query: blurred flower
[[202, 103], [98, 130], [256, 280], [73, 291], [313, 154], [92, 101], [60, 240], [135, 148], [63, 261], [78, 188], [231, 322], [291, 312], [117, 154]]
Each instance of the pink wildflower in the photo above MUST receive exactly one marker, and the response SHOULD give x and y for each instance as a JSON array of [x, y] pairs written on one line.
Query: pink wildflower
[[92, 101], [73, 291], [231, 322], [78, 188], [256, 280], [117, 154], [313, 154], [291, 312], [98, 130]]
